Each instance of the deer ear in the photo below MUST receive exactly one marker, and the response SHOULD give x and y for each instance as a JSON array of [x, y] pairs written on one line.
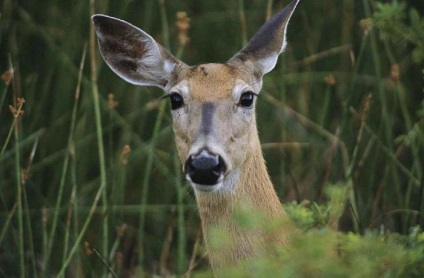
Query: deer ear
[[268, 42], [132, 54]]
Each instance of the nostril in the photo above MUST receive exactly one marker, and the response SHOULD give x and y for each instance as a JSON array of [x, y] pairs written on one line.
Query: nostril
[[220, 166], [205, 161], [205, 168]]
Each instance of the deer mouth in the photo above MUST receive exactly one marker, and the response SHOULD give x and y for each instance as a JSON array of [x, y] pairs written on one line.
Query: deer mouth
[[205, 169]]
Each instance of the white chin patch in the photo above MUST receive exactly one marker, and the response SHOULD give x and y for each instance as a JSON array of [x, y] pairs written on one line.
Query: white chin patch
[[207, 188]]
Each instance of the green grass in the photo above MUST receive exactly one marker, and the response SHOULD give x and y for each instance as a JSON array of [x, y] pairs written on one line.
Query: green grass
[[90, 188]]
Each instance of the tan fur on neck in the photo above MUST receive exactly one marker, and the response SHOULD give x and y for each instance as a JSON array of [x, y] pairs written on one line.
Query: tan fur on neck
[[254, 192]]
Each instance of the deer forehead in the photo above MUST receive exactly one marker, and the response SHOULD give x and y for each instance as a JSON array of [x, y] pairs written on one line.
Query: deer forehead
[[213, 82]]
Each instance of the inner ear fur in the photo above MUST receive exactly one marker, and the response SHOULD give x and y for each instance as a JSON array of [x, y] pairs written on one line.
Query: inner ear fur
[[132, 53]]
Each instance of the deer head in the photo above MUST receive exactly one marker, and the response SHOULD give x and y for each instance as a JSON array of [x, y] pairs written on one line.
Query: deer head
[[213, 105]]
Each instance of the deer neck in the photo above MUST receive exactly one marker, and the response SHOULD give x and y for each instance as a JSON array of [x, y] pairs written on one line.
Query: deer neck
[[254, 191]]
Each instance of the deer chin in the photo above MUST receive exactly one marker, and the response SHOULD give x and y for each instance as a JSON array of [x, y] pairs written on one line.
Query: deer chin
[[207, 188], [225, 185]]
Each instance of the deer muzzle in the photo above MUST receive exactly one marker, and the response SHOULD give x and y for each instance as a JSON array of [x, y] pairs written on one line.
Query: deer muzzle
[[205, 168]]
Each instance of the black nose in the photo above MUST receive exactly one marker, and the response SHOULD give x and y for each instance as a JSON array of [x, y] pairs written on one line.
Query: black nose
[[205, 168]]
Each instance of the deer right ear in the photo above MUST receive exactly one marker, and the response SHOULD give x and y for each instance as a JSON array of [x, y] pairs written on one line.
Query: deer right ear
[[261, 52], [132, 54]]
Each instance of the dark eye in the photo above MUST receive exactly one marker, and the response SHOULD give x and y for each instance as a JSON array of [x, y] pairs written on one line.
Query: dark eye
[[177, 101], [246, 99]]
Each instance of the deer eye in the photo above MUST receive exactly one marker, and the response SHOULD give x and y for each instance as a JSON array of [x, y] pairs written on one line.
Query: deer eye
[[177, 101], [246, 99]]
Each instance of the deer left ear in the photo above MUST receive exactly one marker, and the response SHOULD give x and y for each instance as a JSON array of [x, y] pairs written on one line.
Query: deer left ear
[[133, 54], [268, 42]]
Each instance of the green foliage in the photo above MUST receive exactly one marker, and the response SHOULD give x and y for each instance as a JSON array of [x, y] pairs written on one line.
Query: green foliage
[[307, 215], [401, 24], [319, 251], [326, 253], [323, 252]]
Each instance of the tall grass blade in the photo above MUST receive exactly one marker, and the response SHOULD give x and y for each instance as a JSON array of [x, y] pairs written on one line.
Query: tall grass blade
[[99, 133], [20, 215], [64, 172], [154, 138]]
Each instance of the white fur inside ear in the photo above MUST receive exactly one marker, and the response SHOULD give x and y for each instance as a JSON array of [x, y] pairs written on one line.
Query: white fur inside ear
[[168, 66], [268, 63], [283, 46]]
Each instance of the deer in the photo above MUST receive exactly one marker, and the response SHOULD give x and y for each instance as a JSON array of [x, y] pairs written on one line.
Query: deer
[[214, 125]]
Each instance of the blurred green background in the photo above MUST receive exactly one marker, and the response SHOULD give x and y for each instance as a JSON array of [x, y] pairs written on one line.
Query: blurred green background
[[88, 173]]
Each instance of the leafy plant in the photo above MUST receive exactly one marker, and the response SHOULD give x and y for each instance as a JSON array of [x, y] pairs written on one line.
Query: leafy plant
[[319, 251], [401, 23]]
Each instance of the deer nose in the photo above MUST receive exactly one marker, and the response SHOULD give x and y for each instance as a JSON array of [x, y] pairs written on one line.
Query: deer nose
[[205, 168]]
